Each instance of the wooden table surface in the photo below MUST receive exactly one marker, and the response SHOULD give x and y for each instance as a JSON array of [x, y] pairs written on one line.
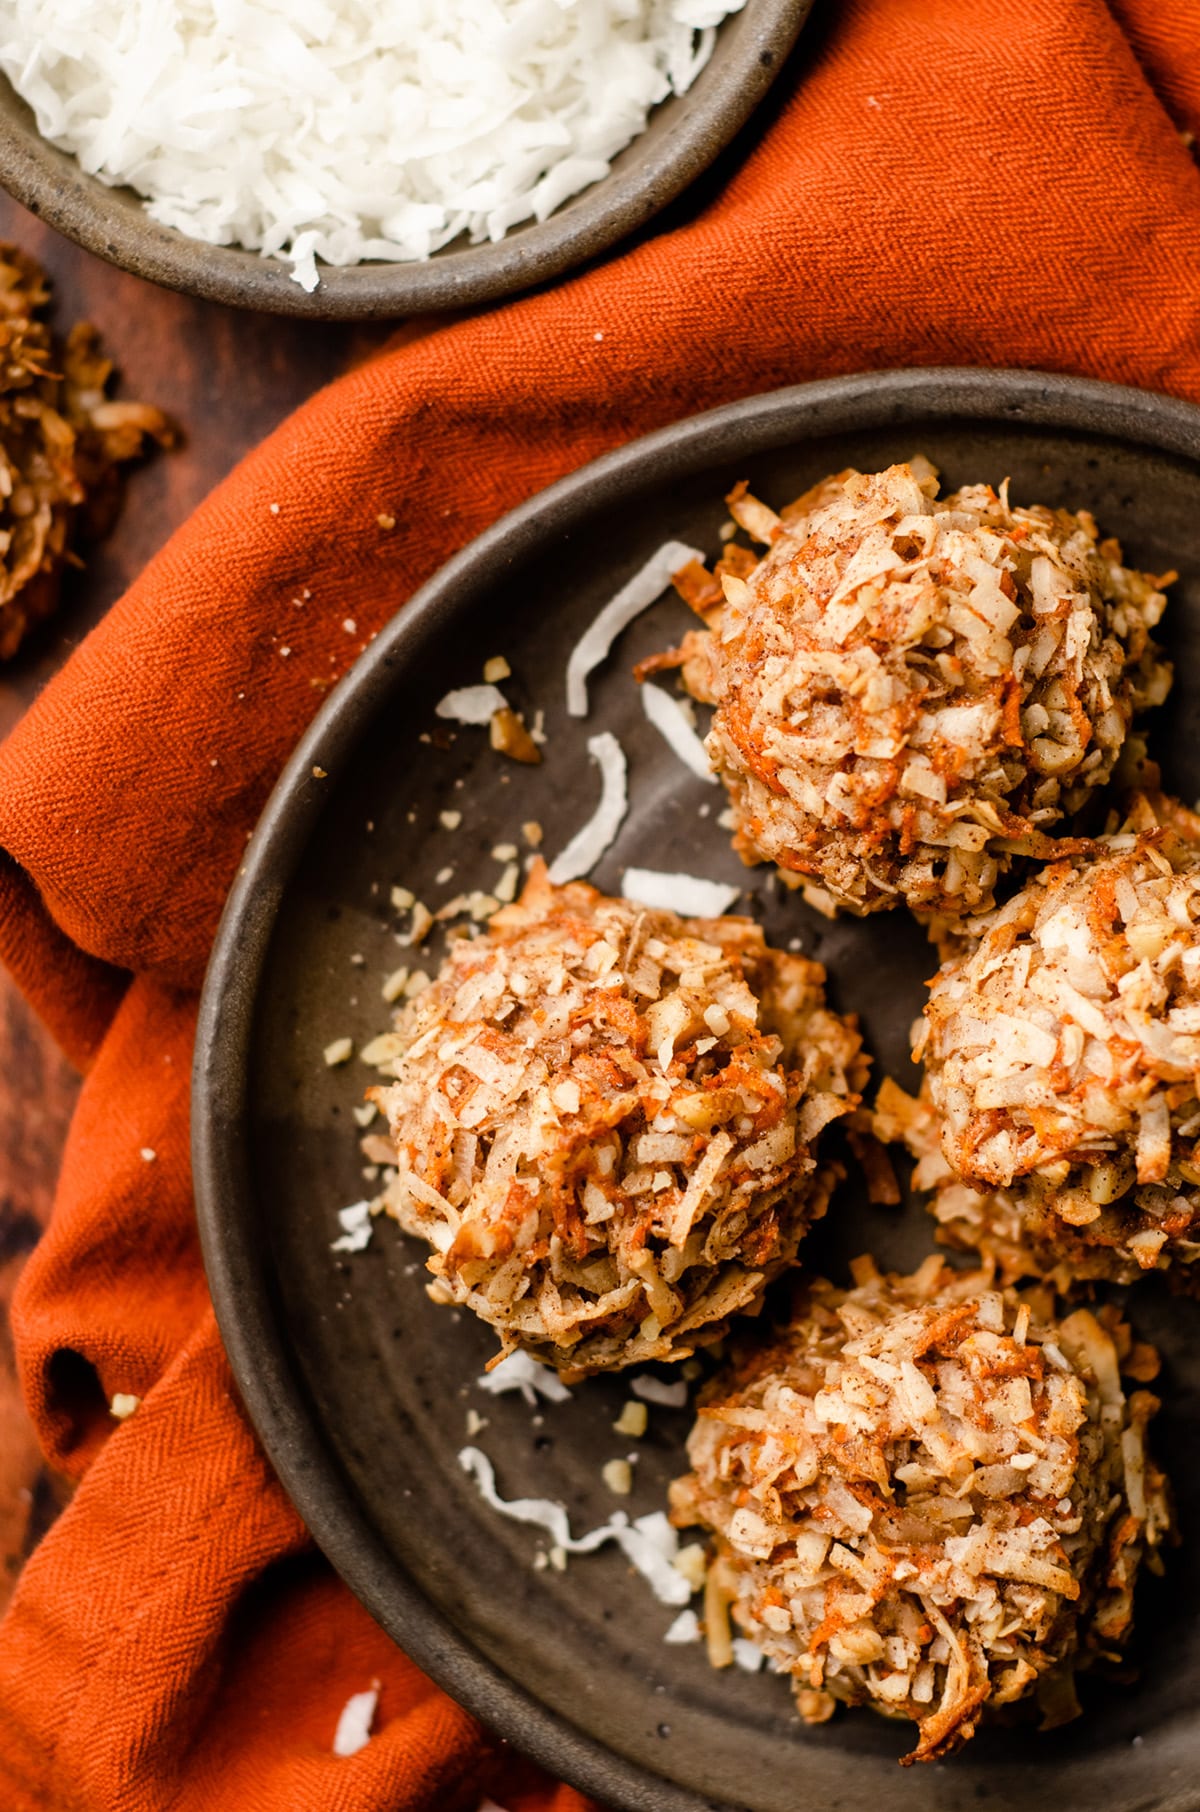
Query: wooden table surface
[[226, 378]]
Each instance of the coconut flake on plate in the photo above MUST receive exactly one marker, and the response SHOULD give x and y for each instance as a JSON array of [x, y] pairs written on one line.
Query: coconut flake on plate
[[653, 1390], [686, 1628], [691, 896], [474, 705], [589, 844], [518, 1371], [355, 1223], [649, 1543], [645, 588], [669, 715]]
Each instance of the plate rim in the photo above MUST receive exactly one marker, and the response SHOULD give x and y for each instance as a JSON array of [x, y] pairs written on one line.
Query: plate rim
[[253, 1336]]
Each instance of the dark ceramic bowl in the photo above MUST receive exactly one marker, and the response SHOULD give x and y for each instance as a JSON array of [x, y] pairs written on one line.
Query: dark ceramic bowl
[[683, 137], [359, 1386]]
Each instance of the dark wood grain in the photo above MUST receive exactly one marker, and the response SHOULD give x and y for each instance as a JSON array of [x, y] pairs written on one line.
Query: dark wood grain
[[227, 379]]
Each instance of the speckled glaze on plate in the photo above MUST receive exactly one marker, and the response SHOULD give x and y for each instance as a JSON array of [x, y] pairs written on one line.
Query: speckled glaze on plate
[[683, 137], [359, 1386]]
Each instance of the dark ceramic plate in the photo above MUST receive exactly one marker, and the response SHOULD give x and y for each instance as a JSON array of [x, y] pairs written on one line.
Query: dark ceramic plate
[[359, 1387], [683, 137]]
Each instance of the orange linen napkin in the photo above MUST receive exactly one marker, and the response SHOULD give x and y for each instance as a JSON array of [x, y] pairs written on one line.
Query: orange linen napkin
[[940, 183]]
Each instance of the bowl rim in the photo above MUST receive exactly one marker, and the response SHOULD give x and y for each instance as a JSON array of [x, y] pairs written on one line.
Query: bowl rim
[[743, 66], [238, 1278]]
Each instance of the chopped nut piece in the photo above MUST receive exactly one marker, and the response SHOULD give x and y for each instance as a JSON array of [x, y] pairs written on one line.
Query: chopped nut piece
[[420, 925], [393, 986], [340, 1051], [532, 833], [692, 1562], [632, 1420], [496, 669], [510, 737], [123, 1405], [505, 889], [403, 898], [450, 820], [618, 1476]]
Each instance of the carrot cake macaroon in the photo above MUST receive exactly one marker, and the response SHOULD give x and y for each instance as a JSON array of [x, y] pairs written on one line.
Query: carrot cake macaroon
[[927, 1495], [606, 1120], [1062, 1051], [912, 691]]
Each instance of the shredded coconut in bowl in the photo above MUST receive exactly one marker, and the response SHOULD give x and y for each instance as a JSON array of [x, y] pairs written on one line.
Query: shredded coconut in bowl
[[342, 130], [911, 691], [1061, 1050], [928, 1496], [605, 1121]]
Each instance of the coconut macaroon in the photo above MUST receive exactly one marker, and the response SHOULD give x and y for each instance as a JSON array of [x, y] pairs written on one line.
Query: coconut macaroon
[[1062, 1053], [605, 1123], [910, 692], [929, 1496]]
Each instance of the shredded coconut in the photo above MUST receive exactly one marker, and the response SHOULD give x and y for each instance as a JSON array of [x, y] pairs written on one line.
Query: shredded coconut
[[344, 131], [476, 705], [589, 844], [646, 586], [686, 1628], [690, 895], [356, 1228], [649, 1543], [670, 720], [656, 1390], [519, 1371]]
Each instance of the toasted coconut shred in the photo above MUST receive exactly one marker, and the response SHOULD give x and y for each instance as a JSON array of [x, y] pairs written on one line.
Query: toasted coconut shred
[[62, 442], [1062, 1052], [927, 1497], [910, 692], [605, 1122]]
